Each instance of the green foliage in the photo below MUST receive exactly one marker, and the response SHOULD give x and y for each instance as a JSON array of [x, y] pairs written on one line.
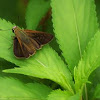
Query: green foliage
[[39, 90], [59, 95], [11, 11], [47, 75], [41, 65], [44, 67], [89, 62], [74, 27], [14, 89], [62, 95], [98, 10], [95, 79], [35, 11], [97, 92]]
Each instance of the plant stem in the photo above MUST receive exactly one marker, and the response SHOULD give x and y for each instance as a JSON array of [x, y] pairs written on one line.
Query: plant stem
[[86, 92], [81, 98]]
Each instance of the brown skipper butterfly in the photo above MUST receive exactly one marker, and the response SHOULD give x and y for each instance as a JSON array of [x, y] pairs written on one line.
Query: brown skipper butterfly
[[26, 42]]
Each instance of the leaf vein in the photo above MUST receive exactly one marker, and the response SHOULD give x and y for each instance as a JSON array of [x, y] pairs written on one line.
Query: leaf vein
[[77, 30]]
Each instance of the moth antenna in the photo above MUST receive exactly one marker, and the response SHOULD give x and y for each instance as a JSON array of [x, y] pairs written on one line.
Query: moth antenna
[[5, 30]]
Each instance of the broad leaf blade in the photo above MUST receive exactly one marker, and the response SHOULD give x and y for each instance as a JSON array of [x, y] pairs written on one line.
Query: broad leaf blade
[[35, 11], [43, 65], [75, 23], [89, 62], [14, 89]]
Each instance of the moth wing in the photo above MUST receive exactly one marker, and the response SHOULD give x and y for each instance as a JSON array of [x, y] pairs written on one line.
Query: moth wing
[[22, 50], [17, 49], [41, 38]]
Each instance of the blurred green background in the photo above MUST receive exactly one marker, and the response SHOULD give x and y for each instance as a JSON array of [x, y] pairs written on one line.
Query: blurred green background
[[14, 11]]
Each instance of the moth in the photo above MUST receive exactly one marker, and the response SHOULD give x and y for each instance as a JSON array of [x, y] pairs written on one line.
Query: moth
[[26, 42]]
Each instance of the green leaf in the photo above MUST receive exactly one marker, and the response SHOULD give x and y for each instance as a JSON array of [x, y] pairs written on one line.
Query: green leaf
[[54, 43], [44, 64], [15, 15], [97, 92], [89, 62], [35, 11], [75, 23], [40, 90], [97, 2], [59, 95], [95, 79], [14, 89], [7, 65], [75, 97], [62, 95]]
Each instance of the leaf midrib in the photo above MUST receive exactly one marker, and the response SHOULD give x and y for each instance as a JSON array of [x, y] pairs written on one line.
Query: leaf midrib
[[77, 30]]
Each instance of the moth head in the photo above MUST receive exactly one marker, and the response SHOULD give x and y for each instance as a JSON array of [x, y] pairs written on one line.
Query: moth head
[[13, 29]]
